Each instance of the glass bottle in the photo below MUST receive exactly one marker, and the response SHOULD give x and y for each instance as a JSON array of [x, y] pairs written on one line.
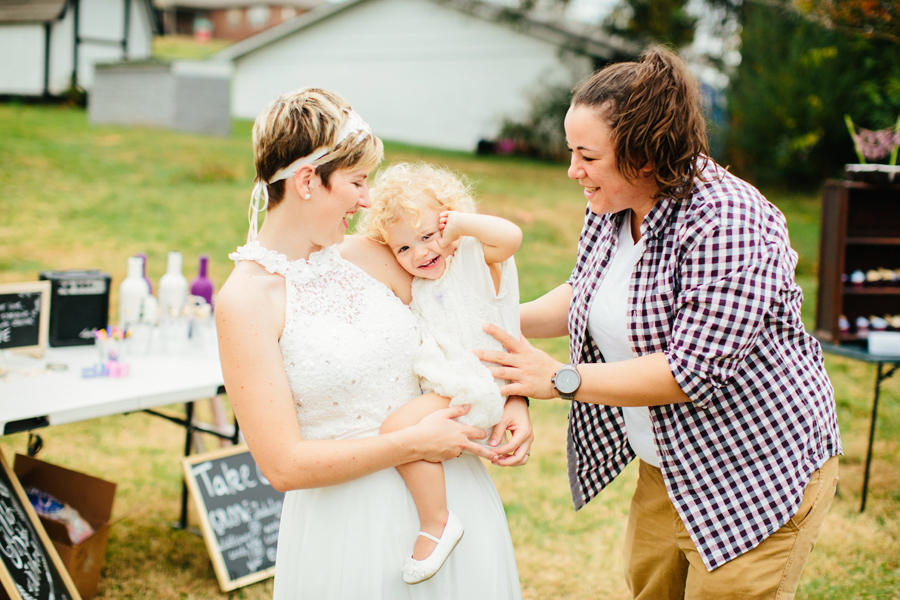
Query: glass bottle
[[144, 271], [132, 292], [173, 289], [202, 285]]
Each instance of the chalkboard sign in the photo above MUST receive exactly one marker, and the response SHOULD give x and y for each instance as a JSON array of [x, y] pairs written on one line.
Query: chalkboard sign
[[24, 315], [30, 568], [240, 513]]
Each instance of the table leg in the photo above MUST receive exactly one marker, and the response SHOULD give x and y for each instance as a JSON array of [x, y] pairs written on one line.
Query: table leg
[[880, 375], [188, 440], [190, 427], [35, 443]]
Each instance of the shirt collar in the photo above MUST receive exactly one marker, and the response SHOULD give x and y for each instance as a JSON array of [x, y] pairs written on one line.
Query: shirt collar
[[659, 215]]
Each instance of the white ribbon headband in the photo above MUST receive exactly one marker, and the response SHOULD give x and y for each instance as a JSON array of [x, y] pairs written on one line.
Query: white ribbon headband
[[259, 197]]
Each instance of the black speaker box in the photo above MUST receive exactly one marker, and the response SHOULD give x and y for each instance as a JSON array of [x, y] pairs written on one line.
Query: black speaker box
[[79, 303]]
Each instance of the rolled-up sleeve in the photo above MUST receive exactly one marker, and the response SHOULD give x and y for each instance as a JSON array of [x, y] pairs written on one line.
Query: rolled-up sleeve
[[729, 278]]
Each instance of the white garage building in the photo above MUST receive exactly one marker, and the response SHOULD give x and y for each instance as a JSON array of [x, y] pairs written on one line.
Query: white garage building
[[427, 72], [46, 45]]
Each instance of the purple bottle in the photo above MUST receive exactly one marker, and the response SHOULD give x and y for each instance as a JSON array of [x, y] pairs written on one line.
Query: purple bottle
[[202, 285], [143, 257]]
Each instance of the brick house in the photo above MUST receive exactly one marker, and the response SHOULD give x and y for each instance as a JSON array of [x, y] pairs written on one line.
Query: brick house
[[228, 19]]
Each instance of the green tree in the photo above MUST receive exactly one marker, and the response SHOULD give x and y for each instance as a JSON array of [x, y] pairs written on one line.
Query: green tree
[[540, 133], [795, 82], [665, 21], [805, 64], [873, 19]]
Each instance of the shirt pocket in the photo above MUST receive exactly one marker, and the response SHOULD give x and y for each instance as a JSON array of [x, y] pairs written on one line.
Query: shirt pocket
[[651, 313]]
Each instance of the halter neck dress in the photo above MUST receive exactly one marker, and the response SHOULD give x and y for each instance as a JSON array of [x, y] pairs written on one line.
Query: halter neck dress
[[348, 347]]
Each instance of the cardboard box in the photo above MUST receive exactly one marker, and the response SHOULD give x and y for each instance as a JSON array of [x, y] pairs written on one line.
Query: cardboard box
[[92, 498]]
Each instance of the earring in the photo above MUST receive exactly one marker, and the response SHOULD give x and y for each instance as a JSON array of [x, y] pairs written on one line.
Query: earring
[[307, 197]]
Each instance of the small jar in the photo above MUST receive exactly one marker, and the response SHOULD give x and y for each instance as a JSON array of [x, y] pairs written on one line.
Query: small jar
[[843, 325], [893, 322], [862, 326], [876, 323]]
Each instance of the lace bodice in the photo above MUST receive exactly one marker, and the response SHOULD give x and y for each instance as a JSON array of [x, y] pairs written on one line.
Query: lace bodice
[[348, 342]]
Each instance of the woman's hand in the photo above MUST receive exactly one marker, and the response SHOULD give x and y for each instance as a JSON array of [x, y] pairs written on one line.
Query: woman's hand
[[529, 370], [517, 421], [444, 438]]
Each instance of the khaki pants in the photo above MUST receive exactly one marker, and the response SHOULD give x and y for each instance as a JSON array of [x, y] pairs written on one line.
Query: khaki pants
[[661, 561]]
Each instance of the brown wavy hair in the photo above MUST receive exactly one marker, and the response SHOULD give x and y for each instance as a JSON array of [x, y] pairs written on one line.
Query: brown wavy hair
[[654, 110]]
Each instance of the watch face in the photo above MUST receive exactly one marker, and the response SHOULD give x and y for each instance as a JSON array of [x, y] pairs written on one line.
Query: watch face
[[567, 381]]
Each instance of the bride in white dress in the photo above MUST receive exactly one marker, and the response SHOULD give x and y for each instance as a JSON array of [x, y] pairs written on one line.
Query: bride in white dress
[[317, 347]]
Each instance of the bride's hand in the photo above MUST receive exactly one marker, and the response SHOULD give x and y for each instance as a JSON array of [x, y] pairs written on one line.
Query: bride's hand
[[444, 438], [517, 420]]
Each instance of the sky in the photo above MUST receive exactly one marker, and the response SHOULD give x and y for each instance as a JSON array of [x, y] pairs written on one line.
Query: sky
[[590, 11]]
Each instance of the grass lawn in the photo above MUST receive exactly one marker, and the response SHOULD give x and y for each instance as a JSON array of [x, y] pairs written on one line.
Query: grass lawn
[[82, 196], [176, 47]]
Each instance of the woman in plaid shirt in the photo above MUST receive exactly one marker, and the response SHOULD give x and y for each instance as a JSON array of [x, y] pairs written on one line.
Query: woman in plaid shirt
[[686, 349]]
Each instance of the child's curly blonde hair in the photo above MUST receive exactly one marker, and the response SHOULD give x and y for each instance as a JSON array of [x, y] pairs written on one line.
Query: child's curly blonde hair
[[402, 190]]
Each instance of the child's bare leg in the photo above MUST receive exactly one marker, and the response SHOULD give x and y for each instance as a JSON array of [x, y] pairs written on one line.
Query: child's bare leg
[[425, 480]]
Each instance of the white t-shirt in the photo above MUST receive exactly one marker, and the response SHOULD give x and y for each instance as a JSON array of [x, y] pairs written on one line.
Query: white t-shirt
[[608, 326]]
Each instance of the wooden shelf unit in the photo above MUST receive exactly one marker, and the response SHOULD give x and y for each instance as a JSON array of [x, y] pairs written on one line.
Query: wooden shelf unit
[[860, 231]]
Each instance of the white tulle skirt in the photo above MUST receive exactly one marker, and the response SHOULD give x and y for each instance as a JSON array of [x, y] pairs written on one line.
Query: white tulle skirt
[[349, 541]]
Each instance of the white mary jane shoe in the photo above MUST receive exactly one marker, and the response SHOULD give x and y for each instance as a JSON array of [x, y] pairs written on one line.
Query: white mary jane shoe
[[417, 571]]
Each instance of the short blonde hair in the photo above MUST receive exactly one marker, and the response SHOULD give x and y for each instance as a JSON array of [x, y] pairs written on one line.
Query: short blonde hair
[[296, 124], [403, 189]]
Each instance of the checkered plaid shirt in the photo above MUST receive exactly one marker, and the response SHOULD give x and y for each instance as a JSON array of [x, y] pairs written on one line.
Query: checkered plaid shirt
[[714, 291]]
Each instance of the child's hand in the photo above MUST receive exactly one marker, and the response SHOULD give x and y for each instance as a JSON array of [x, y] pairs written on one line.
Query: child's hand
[[448, 222]]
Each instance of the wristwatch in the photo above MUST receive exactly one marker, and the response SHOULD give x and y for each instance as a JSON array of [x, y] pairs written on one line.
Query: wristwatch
[[566, 381]]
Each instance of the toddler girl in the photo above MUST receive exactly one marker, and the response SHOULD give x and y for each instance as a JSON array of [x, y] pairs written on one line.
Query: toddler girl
[[464, 276]]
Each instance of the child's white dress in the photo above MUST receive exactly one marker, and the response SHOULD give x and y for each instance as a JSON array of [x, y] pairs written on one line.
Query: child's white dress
[[451, 312]]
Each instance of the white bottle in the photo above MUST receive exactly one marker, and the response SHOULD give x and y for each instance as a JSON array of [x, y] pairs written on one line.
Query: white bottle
[[173, 289], [132, 292]]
